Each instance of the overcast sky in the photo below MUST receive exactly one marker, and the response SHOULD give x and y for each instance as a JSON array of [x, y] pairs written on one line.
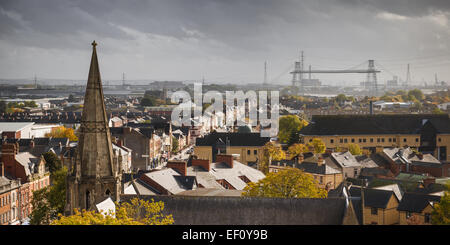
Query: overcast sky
[[223, 40]]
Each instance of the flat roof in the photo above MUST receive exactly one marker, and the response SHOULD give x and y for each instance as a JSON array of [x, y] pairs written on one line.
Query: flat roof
[[13, 126]]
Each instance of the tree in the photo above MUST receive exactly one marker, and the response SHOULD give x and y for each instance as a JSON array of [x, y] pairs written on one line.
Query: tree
[[52, 161], [137, 212], [417, 93], [271, 152], [62, 132], [50, 201], [41, 208], [296, 149], [340, 98], [175, 144], [289, 124], [318, 145], [148, 101], [354, 149], [3, 107], [287, 183], [441, 211], [437, 111]]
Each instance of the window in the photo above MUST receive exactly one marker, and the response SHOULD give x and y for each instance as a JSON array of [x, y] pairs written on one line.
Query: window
[[408, 215], [345, 140], [248, 152], [371, 140], [382, 139], [360, 140], [255, 152], [417, 139], [364, 140], [374, 211], [439, 139], [427, 218], [341, 140], [310, 140], [404, 139], [353, 140], [378, 139], [331, 141], [394, 139], [321, 180], [390, 140], [355, 172]]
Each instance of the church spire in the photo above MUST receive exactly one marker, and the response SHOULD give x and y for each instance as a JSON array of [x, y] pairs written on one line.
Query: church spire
[[96, 174], [95, 149]]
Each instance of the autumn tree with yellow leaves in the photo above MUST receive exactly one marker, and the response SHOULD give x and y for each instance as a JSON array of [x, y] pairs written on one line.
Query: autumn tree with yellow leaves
[[271, 152], [287, 183], [295, 149], [62, 132], [136, 212]]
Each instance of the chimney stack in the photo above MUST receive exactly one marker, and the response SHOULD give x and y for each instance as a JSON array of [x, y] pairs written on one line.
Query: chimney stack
[[228, 159], [320, 161], [2, 170], [202, 163], [179, 166]]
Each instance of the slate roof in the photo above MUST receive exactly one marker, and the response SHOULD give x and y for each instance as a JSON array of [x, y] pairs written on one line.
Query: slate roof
[[165, 178], [28, 161], [314, 168], [415, 202], [208, 179], [367, 161], [374, 124], [345, 159], [392, 187], [211, 192], [219, 210], [234, 139], [372, 197]]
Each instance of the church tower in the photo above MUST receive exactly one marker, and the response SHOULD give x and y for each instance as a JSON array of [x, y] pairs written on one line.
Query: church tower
[[96, 173]]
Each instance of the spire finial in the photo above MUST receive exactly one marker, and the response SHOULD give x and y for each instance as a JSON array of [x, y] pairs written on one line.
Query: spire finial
[[94, 44]]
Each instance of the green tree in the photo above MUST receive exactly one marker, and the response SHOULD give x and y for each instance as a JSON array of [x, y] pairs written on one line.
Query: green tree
[[441, 211], [52, 161], [438, 111], [318, 145], [175, 144], [287, 183], [41, 209], [354, 149], [417, 93], [148, 101], [340, 98], [3, 107], [137, 212], [288, 125], [50, 201]]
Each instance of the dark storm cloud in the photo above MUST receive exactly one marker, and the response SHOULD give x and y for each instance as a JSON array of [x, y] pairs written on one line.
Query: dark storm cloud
[[224, 32]]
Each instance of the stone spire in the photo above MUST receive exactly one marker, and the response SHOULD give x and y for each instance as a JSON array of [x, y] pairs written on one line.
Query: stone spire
[[94, 145], [96, 174]]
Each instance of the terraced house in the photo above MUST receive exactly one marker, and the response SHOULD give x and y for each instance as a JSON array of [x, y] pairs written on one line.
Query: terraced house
[[426, 133]]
